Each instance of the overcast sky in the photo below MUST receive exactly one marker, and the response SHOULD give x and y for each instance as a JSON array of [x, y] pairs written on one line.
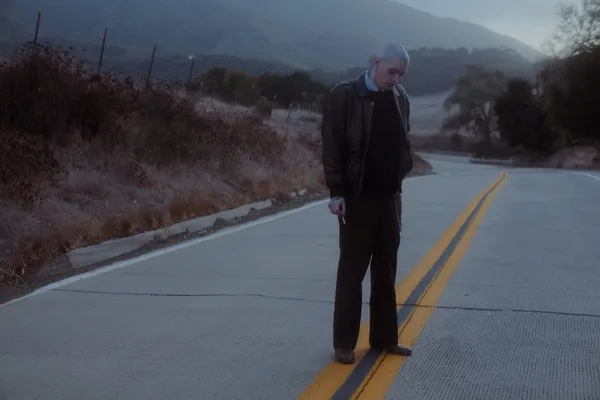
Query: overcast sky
[[530, 21]]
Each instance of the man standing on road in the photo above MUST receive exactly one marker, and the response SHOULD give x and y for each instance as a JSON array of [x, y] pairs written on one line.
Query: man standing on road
[[366, 156]]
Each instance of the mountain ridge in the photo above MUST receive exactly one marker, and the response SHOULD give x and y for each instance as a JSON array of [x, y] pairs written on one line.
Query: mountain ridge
[[327, 34]]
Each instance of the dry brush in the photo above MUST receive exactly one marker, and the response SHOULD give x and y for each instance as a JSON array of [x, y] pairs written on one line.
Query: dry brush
[[87, 158]]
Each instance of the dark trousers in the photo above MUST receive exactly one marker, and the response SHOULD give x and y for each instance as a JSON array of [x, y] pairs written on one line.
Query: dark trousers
[[371, 235]]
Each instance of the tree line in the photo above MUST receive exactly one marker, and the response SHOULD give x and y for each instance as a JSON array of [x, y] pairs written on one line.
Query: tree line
[[432, 70], [555, 109], [238, 87]]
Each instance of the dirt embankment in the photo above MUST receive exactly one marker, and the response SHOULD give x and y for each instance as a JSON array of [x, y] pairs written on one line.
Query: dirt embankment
[[56, 200], [86, 159], [575, 157]]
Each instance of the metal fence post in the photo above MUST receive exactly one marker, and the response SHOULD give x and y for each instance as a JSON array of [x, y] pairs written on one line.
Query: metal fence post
[[37, 31], [102, 51], [150, 67], [191, 71]]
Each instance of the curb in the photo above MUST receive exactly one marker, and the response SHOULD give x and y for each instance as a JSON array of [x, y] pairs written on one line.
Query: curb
[[507, 163], [84, 257]]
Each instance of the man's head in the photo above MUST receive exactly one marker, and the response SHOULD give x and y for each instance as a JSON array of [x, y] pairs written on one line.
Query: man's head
[[389, 65]]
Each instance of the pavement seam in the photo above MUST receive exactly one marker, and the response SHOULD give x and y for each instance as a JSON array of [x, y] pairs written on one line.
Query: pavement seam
[[519, 287], [147, 294], [519, 310], [240, 277]]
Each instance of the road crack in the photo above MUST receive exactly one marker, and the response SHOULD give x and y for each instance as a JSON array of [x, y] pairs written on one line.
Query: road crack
[[301, 299], [148, 294], [496, 310]]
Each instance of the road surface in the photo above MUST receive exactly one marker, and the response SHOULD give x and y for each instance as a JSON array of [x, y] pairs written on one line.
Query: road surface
[[498, 291]]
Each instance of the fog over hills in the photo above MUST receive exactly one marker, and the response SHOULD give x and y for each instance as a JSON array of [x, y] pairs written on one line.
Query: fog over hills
[[328, 34]]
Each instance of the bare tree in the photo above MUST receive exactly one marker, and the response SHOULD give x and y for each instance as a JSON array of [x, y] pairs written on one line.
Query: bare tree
[[578, 30]]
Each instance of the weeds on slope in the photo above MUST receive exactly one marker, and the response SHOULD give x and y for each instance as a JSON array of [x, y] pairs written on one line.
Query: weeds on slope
[[87, 158]]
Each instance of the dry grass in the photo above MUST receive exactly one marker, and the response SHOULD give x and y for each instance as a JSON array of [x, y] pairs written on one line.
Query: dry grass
[[87, 159], [107, 194]]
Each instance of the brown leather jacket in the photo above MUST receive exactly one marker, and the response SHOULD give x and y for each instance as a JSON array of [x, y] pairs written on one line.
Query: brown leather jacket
[[345, 134]]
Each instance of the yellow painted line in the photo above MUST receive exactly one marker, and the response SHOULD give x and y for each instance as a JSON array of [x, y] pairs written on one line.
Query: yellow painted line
[[334, 374], [382, 376]]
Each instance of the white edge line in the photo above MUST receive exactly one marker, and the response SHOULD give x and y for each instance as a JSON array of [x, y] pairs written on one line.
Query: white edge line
[[171, 249], [588, 175]]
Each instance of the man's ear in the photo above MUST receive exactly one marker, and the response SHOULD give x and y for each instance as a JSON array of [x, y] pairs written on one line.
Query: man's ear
[[371, 61]]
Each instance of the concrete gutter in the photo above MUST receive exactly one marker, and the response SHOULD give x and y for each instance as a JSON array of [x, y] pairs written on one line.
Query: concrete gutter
[[80, 259], [491, 161], [85, 256]]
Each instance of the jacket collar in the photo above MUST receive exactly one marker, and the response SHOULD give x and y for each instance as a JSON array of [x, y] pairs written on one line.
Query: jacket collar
[[369, 82], [363, 89], [361, 86]]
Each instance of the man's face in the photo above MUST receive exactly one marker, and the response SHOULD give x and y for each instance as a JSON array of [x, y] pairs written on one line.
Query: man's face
[[388, 73]]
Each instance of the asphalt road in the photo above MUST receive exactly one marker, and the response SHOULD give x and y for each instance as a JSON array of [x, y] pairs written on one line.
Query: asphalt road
[[498, 290]]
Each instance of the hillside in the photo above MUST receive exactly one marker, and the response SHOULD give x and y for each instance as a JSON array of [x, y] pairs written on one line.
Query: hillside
[[305, 34], [432, 70]]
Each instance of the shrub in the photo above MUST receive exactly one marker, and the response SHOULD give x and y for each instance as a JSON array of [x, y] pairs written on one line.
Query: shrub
[[264, 108], [521, 118], [87, 158], [48, 94]]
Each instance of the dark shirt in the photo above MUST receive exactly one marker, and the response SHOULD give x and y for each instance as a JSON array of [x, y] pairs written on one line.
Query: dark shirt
[[382, 161]]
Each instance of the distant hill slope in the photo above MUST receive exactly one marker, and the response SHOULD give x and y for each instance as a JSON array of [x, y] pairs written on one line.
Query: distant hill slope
[[427, 113], [328, 34], [13, 31]]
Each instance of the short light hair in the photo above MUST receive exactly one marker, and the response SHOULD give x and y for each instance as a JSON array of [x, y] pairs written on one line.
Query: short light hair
[[394, 52]]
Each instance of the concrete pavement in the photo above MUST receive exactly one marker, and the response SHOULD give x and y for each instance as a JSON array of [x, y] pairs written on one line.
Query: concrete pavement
[[520, 318], [247, 314]]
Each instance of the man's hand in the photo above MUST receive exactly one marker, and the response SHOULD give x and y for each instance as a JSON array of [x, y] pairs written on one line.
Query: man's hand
[[337, 206]]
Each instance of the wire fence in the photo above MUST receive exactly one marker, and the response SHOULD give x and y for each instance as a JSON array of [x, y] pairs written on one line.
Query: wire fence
[[312, 106], [102, 50]]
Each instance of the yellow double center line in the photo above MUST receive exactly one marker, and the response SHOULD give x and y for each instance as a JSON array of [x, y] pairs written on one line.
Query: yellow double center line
[[417, 295]]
